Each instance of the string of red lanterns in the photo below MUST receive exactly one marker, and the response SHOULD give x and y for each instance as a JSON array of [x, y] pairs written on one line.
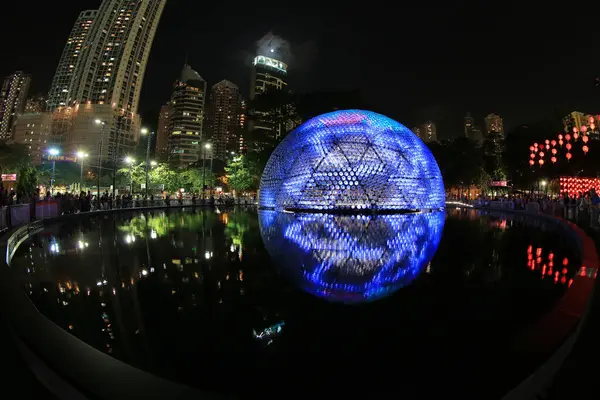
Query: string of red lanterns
[[537, 150]]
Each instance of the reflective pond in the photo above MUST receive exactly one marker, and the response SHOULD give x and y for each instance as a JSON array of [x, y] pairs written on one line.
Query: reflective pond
[[243, 302]]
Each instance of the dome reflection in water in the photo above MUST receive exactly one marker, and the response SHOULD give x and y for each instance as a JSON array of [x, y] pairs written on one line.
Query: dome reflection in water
[[351, 258]]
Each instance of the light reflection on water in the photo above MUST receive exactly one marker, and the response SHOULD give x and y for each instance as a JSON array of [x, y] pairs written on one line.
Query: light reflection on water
[[351, 258]]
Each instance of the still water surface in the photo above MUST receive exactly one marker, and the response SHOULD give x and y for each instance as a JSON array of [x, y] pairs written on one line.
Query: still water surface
[[246, 302]]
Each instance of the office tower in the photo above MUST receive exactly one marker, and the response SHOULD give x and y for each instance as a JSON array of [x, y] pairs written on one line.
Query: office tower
[[476, 134], [269, 75], [35, 104], [469, 126], [33, 130], [64, 84], [427, 132], [186, 118], [162, 134], [225, 106], [243, 121], [576, 119], [13, 97], [110, 69], [494, 125]]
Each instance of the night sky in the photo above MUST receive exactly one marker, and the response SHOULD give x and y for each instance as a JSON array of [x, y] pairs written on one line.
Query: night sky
[[409, 63]]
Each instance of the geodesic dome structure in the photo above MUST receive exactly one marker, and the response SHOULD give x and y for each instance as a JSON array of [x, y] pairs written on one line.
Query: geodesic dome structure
[[351, 160]]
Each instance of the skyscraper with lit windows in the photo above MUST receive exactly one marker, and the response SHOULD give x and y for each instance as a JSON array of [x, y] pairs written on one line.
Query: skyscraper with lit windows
[[225, 109], [13, 97], [64, 83]]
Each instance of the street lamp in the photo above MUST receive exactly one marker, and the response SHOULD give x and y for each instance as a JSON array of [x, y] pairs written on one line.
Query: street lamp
[[102, 125], [53, 152], [129, 161], [207, 146], [81, 155], [145, 131], [116, 152]]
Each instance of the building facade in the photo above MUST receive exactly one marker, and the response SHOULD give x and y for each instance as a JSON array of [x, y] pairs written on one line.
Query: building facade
[[186, 119], [268, 75], [162, 134], [110, 67], [35, 104], [225, 106], [427, 132], [64, 83], [33, 130], [494, 125], [13, 97], [575, 119]]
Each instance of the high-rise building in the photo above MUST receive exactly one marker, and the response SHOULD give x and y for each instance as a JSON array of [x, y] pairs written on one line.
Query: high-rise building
[[427, 132], [162, 134], [35, 104], [186, 118], [469, 126], [13, 97], [494, 125], [476, 134], [575, 119], [64, 83], [33, 130], [225, 106], [110, 67], [268, 75]]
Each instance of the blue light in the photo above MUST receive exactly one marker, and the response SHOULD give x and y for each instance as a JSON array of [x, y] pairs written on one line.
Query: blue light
[[354, 258], [352, 160]]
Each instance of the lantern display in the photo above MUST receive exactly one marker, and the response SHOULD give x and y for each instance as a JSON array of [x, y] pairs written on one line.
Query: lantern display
[[567, 137], [591, 120], [568, 146], [592, 126], [585, 149], [554, 151], [585, 139], [560, 136], [553, 143], [532, 155], [575, 136], [560, 142], [541, 161], [575, 129], [547, 141], [542, 154], [568, 155], [553, 159], [547, 147], [584, 129], [531, 162], [535, 145], [531, 148]]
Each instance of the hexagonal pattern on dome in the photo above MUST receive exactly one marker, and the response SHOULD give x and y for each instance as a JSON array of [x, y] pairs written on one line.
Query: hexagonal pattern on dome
[[352, 160]]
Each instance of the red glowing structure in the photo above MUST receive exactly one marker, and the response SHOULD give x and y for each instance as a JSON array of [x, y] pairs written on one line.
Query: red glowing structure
[[573, 185]]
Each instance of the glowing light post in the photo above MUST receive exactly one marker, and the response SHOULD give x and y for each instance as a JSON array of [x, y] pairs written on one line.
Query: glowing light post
[[145, 131], [102, 125], [116, 151], [207, 146], [129, 161], [81, 155], [53, 152], [544, 184]]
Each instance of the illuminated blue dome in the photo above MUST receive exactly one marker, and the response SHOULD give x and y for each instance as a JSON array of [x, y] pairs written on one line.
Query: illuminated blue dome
[[351, 258], [352, 160]]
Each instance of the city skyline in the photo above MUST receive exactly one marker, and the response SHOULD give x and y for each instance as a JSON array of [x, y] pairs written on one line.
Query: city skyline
[[441, 88]]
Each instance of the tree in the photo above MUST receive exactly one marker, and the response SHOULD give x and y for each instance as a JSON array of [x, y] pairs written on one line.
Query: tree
[[27, 182], [12, 157], [238, 174]]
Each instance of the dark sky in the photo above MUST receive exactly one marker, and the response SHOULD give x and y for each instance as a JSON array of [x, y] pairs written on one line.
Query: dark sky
[[411, 63]]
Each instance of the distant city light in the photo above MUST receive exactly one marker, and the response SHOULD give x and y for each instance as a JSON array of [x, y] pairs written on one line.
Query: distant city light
[[54, 152], [272, 50]]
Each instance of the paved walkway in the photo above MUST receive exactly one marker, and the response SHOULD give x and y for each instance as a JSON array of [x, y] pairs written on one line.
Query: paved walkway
[[16, 375]]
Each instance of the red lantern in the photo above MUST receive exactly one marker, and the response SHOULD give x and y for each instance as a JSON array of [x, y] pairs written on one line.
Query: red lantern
[[575, 136], [553, 143], [560, 142], [585, 138], [553, 159], [592, 126], [554, 151], [542, 154], [568, 146], [531, 148], [560, 136], [541, 161], [574, 129], [568, 155], [585, 149], [567, 137], [532, 155], [547, 147], [584, 128], [547, 141], [531, 162], [535, 145]]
